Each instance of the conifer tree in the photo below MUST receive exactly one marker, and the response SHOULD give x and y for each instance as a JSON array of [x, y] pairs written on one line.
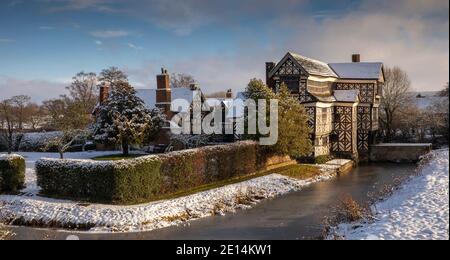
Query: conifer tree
[[293, 127], [125, 120], [293, 130]]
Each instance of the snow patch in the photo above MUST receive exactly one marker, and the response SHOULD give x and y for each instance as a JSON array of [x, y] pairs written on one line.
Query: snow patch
[[418, 211]]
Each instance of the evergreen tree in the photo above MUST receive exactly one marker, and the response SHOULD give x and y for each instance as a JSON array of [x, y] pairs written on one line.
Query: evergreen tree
[[293, 128], [125, 120], [257, 90], [293, 138]]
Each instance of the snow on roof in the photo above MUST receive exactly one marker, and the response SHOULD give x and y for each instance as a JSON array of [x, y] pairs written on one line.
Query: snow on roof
[[149, 96], [314, 67], [323, 98], [346, 95], [234, 107], [184, 93], [426, 99], [358, 70]]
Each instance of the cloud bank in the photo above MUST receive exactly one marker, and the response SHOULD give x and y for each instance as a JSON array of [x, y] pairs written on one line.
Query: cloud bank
[[412, 34]]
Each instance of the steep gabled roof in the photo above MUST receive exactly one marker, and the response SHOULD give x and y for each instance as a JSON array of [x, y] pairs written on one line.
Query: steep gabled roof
[[358, 70], [350, 70], [314, 67]]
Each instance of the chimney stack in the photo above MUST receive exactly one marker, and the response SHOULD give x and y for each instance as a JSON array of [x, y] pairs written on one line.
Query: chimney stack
[[356, 58], [164, 93], [164, 103], [270, 82], [104, 93], [229, 93]]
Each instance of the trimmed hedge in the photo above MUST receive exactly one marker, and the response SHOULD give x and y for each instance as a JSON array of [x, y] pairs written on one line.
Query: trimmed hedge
[[117, 182], [12, 173], [147, 178]]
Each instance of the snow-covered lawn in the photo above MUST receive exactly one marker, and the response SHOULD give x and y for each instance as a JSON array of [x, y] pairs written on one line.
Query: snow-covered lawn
[[419, 210], [31, 208]]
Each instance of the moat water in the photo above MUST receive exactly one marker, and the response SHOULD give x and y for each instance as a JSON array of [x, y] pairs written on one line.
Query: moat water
[[298, 215]]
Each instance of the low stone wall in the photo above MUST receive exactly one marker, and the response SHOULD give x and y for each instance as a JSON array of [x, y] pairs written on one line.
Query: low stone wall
[[399, 152]]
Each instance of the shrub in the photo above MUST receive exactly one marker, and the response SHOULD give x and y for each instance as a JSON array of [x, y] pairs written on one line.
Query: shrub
[[147, 178], [122, 181], [12, 173], [322, 159], [37, 142]]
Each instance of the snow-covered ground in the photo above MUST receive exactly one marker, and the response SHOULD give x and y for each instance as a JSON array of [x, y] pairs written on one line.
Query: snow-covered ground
[[419, 210], [31, 208]]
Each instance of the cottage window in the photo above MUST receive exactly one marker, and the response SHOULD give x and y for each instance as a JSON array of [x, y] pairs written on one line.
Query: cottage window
[[293, 85]]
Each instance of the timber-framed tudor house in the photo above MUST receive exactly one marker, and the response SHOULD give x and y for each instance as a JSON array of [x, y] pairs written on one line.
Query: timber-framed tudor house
[[341, 99]]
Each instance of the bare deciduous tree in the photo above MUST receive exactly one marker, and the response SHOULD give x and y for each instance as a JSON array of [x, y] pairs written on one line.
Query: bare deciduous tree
[[182, 81], [64, 141], [34, 116], [20, 103], [83, 91], [112, 76], [395, 96], [9, 123]]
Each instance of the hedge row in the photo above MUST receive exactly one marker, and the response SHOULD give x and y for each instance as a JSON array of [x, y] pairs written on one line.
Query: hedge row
[[12, 173], [146, 178]]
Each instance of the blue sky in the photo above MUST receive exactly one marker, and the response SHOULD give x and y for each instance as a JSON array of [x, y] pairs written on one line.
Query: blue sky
[[223, 44]]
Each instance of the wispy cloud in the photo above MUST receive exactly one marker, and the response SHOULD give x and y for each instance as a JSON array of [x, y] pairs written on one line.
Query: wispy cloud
[[76, 5], [99, 43], [134, 47], [110, 34], [404, 33], [38, 89]]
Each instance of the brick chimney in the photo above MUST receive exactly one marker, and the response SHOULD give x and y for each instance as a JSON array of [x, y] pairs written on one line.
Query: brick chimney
[[356, 58], [104, 93], [164, 93], [229, 93], [269, 81], [163, 102]]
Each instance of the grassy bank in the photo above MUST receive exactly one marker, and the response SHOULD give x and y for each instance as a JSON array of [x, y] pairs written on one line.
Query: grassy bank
[[297, 171]]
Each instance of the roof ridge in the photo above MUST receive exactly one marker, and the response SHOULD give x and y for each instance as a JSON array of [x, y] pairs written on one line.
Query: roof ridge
[[307, 58], [356, 63], [325, 69]]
